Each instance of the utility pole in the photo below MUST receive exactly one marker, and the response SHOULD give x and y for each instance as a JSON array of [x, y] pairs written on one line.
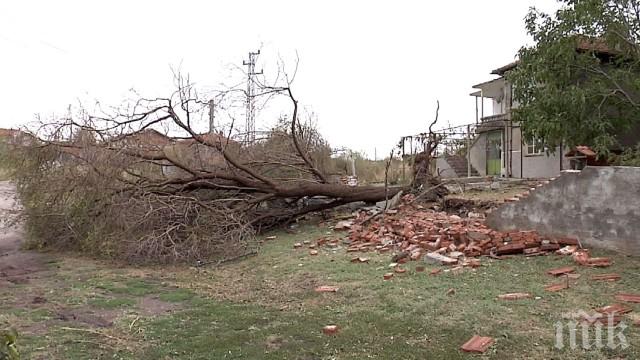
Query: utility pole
[[211, 116], [251, 72]]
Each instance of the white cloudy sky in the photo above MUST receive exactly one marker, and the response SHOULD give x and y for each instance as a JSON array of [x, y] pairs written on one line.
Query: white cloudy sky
[[370, 70]]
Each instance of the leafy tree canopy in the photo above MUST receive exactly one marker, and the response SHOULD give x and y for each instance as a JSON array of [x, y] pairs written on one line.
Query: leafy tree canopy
[[579, 84]]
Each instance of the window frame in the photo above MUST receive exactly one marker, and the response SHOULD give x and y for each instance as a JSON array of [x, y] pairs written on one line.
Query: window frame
[[534, 147]]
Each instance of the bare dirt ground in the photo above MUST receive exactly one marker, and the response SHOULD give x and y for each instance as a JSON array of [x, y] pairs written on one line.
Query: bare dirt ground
[[16, 266], [55, 300]]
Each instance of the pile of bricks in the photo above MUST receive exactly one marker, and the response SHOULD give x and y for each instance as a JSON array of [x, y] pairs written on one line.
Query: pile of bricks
[[418, 232]]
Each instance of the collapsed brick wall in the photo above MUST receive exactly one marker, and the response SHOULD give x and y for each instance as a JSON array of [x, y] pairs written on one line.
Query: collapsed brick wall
[[599, 205]]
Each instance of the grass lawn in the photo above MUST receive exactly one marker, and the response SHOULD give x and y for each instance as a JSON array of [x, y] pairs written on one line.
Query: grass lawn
[[264, 307]]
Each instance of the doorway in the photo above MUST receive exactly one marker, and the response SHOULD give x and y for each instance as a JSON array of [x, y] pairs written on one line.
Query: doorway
[[494, 152]]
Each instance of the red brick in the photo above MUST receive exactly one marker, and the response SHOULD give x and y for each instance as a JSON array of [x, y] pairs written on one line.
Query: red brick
[[556, 287], [514, 296], [567, 241], [602, 319], [606, 277], [599, 262], [513, 248], [550, 247], [330, 330], [477, 344], [325, 288], [626, 297], [399, 270], [561, 271], [614, 309], [581, 257]]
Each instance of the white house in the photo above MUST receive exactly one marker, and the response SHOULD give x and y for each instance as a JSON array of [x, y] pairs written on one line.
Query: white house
[[498, 148]]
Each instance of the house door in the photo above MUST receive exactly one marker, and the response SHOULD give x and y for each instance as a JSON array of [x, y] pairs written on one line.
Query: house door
[[494, 152]]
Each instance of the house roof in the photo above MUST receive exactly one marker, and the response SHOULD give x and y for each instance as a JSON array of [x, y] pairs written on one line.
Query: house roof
[[503, 69], [489, 82], [9, 132], [580, 149], [210, 137], [583, 43], [597, 45], [490, 89]]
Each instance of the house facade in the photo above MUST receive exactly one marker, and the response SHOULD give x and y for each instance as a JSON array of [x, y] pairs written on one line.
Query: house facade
[[498, 148]]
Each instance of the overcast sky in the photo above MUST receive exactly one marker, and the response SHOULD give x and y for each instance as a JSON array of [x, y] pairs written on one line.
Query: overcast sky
[[370, 70]]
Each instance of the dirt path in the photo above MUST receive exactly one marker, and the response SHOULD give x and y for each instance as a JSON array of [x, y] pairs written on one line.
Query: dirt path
[[16, 266]]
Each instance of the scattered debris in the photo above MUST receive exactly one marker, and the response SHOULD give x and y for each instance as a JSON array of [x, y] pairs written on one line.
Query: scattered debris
[[451, 291], [602, 319], [633, 298], [434, 257], [614, 309], [606, 277], [399, 270], [330, 330], [359, 259], [435, 271], [567, 250], [272, 237], [561, 271], [583, 258], [401, 255], [514, 296], [599, 262], [313, 252], [327, 288], [568, 241], [387, 276], [556, 287], [414, 232], [297, 245], [478, 344], [343, 225]]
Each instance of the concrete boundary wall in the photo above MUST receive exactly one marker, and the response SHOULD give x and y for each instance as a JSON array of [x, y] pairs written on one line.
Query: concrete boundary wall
[[599, 205]]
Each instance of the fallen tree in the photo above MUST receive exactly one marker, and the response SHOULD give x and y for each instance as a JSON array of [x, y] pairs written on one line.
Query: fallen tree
[[115, 184]]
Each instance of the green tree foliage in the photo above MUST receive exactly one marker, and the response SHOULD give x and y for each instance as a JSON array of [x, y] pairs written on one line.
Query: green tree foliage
[[579, 84]]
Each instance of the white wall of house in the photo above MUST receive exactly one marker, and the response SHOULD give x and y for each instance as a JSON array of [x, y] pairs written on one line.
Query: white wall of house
[[535, 166], [443, 169], [479, 154], [498, 107]]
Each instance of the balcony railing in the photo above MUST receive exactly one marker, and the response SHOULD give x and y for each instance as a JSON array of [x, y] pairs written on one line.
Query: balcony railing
[[495, 118]]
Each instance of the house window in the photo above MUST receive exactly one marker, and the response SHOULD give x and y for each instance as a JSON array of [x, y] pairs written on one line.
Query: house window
[[534, 147]]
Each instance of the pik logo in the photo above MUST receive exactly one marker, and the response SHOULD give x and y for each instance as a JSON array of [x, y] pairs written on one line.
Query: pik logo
[[587, 331]]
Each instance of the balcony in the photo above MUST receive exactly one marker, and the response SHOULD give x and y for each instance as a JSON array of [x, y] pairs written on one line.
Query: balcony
[[493, 122]]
